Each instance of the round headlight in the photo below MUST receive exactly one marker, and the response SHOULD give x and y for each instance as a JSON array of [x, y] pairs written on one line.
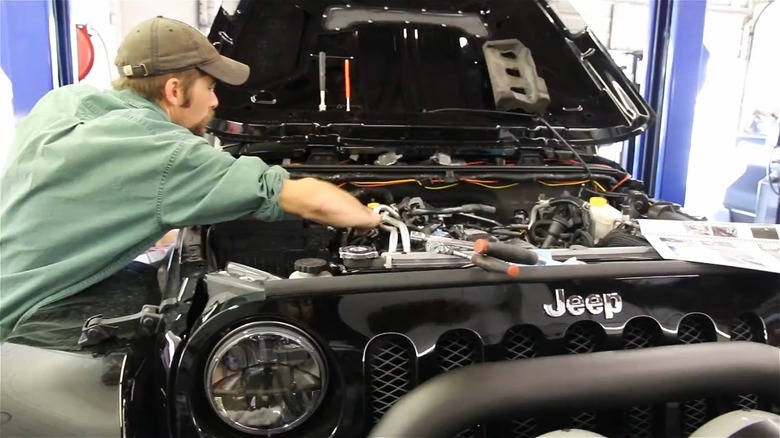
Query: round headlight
[[265, 378]]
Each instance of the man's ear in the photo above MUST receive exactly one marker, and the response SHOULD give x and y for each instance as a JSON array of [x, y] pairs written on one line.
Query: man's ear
[[172, 92]]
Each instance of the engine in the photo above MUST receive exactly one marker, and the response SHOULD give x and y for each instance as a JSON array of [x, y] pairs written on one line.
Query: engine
[[441, 229]]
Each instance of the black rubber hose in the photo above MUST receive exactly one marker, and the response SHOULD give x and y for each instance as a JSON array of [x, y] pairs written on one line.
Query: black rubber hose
[[584, 238], [506, 233], [563, 200], [621, 238], [557, 227], [667, 211], [537, 232], [451, 402], [563, 206], [364, 193]]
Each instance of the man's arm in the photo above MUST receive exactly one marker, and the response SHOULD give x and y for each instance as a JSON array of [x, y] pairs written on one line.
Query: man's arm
[[325, 203], [202, 185]]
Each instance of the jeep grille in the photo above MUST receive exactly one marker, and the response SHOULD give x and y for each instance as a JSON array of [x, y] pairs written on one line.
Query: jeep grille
[[393, 369]]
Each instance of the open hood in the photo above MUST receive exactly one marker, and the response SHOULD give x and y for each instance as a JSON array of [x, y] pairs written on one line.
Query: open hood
[[419, 72]]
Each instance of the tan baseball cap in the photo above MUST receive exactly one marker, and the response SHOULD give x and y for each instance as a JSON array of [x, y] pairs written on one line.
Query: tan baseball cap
[[163, 45]]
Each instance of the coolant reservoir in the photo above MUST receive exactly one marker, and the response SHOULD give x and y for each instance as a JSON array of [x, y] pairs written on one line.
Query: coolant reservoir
[[308, 268], [603, 216]]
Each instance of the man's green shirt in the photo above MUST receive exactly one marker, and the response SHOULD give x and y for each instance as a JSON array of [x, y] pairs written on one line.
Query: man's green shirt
[[94, 178]]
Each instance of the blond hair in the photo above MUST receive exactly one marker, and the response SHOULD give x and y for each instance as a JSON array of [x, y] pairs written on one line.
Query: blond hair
[[151, 87]]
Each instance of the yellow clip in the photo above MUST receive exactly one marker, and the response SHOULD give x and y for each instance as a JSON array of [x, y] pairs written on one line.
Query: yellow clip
[[373, 205]]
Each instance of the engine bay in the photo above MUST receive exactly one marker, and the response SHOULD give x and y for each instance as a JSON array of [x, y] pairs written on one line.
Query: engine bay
[[417, 234], [433, 223]]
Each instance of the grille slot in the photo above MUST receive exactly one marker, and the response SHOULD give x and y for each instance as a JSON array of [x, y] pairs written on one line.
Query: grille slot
[[638, 422], [522, 342], [456, 349], [746, 401], [748, 327], [468, 433], [694, 414], [741, 330], [524, 428], [695, 329], [639, 333], [390, 362], [581, 338]]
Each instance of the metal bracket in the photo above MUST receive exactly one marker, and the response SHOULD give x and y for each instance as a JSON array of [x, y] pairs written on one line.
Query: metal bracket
[[144, 323]]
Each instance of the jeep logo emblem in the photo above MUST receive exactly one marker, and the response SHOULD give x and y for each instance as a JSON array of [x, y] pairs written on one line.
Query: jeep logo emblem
[[576, 305]]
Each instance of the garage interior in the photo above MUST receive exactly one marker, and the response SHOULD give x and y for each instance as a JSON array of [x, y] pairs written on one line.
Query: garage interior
[[733, 81], [542, 341]]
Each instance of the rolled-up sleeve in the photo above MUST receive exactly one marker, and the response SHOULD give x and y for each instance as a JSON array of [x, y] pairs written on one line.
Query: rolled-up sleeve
[[203, 185]]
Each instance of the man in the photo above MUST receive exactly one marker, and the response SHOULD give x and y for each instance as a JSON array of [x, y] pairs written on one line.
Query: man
[[96, 177]]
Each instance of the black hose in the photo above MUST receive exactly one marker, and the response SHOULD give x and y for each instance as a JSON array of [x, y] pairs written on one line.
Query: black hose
[[567, 212], [563, 200], [507, 233], [557, 227], [382, 193], [584, 238], [538, 231], [571, 205], [622, 238]]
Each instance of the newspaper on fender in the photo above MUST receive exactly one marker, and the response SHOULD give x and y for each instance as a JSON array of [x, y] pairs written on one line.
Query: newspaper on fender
[[741, 245]]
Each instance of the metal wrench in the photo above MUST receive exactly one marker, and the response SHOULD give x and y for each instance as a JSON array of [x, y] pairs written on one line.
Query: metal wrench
[[487, 263]]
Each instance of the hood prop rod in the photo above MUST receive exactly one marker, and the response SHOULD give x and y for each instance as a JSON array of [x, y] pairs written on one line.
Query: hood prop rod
[[322, 81]]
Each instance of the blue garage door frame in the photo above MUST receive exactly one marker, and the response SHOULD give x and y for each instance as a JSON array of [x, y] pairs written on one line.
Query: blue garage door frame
[[675, 59], [32, 54]]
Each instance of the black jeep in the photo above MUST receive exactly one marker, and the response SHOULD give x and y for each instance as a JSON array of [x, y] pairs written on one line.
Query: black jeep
[[492, 302]]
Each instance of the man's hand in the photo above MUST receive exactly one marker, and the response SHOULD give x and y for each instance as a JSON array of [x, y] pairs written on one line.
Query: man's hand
[[376, 220], [327, 204], [359, 232]]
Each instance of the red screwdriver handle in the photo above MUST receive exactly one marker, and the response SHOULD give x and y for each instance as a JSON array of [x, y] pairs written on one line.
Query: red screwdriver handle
[[494, 265], [505, 251]]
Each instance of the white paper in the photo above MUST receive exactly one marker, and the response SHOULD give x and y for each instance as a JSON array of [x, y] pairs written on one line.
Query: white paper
[[741, 245]]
